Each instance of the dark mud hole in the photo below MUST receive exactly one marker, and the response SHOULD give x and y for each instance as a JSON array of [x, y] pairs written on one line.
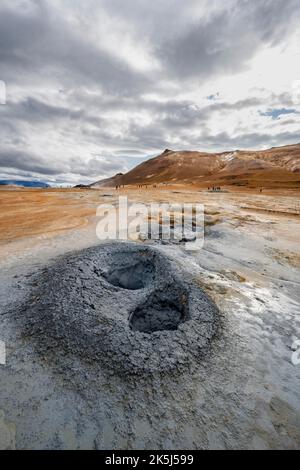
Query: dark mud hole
[[123, 306], [158, 314], [132, 275]]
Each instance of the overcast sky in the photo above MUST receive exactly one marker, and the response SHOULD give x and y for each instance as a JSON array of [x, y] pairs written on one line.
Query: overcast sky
[[94, 87]]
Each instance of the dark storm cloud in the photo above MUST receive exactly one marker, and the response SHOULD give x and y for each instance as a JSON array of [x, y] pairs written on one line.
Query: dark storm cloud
[[186, 115], [26, 161], [97, 165], [226, 41], [169, 113], [223, 140], [41, 45], [42, 42], [32, 110]]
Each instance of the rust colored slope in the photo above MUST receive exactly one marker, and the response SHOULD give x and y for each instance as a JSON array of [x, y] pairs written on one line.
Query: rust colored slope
[[275, 166]]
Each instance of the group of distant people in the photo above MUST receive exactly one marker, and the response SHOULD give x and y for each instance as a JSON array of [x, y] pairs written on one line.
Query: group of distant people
[[119, 186], [146, 186], [213, 188]]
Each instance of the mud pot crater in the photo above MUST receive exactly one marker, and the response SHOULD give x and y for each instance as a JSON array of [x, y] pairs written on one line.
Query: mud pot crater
[[134, 272], [162, 311], [122, 306]]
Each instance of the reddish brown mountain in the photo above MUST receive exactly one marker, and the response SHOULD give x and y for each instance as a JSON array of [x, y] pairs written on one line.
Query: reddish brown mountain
[[276, 167]]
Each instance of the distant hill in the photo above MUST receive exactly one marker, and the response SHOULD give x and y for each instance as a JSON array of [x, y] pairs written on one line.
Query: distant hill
[[25, 184], [108, 182], [275, 167]]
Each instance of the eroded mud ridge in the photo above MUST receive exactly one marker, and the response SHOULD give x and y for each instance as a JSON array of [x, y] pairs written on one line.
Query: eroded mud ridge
[[125, 306]]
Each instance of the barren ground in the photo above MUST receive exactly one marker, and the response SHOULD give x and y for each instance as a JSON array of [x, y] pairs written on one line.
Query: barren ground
[[246, 394]]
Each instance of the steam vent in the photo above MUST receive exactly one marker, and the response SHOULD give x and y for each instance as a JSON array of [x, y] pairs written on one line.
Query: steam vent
[[125, 306]]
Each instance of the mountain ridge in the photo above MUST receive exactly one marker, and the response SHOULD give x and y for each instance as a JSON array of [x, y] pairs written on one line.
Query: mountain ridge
[[276, 166]]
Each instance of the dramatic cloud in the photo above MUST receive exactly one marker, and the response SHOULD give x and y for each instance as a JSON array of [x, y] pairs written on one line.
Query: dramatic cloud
[[227, 40], [95, 87]]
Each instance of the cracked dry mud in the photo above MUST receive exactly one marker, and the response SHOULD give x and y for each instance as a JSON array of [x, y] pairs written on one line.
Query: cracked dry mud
[[122, 306]]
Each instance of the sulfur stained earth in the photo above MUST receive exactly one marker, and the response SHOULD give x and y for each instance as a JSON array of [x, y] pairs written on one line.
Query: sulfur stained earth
[[244, 394]]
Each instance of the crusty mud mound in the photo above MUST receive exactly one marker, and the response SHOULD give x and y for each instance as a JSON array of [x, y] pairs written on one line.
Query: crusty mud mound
[[123, 306]]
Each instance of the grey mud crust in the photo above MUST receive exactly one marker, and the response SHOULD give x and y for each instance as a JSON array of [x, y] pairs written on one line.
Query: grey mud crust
[[123, 306]]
